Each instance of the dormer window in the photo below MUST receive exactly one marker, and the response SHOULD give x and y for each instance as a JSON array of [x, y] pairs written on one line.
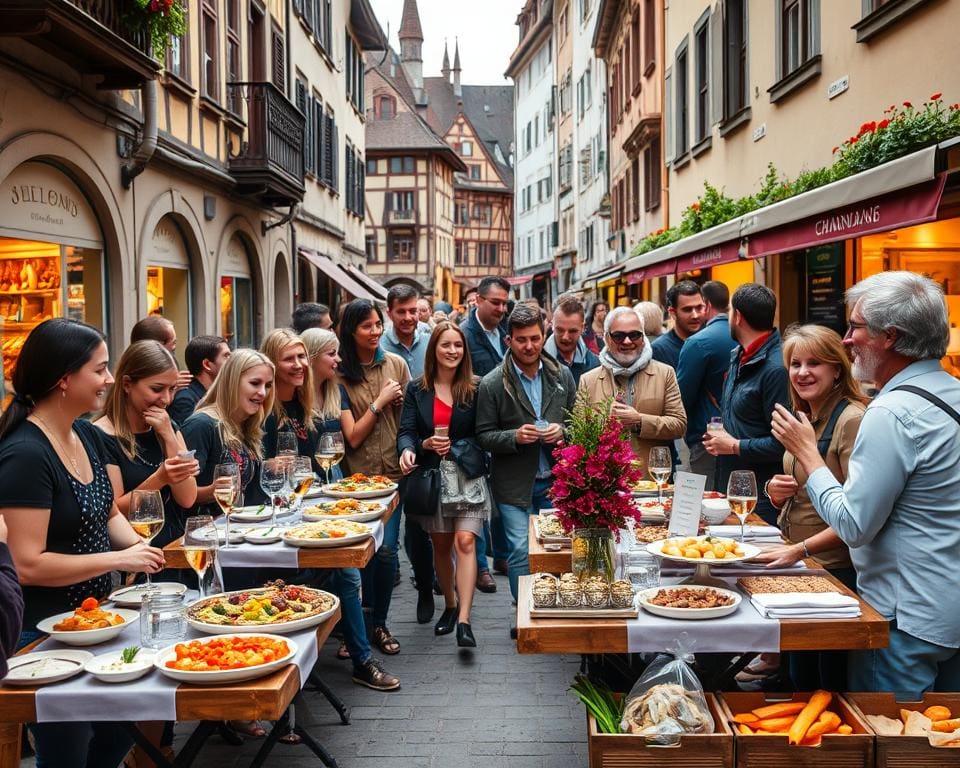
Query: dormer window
[[385, 107]]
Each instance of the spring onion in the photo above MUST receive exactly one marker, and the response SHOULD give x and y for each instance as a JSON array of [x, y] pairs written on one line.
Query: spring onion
[[599, 701]]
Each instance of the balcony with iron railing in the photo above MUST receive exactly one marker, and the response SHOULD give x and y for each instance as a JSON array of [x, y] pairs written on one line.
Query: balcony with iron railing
[[94, 37], [269, 163]]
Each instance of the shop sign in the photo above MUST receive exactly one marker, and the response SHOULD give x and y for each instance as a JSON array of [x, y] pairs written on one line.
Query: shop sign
[[167, 248], [235, 259], [710, 257], [662, 269], [41, 203], [824, 287]]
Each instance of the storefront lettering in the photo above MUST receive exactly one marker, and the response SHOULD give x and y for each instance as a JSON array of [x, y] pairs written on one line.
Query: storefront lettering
[[850, 220], [707, 256], [29, 193]]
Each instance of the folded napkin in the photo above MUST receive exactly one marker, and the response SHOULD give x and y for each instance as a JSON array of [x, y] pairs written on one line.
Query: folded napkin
[[750, 531], [825, 605]]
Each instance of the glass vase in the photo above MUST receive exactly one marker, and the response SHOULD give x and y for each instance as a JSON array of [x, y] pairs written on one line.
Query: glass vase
[[593, 553]]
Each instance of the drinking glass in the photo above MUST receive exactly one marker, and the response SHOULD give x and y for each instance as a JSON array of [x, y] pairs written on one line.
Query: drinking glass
[[226, 488], [146, 516], [287, 443], [200, 546], [302, 478], [273, 479], [329, 452], [660, 465], [742, 495], [715, 424], [640, 568]]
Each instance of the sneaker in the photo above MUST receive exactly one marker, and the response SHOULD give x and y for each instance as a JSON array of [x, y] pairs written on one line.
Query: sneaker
[[372, 674]]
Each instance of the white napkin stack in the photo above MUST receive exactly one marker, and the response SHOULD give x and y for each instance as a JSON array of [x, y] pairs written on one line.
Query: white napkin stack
[[806, 605], [764, 533]]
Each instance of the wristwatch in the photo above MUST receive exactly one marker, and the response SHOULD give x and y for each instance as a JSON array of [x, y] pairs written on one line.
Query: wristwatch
[[374, 410]]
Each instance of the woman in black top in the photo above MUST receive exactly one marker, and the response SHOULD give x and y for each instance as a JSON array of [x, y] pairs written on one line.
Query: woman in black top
[[141, 441], [65, 532], [294, 397]]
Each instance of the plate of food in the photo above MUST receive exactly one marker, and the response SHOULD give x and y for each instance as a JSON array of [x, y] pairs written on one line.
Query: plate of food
[[360, 486], [648, 488], [278, 608], [549, 530], [703, 549], [690, 601], [344, 509], [211, 532], [225, 658], [257, 514], [42, 667], [327, 533], [264, 534], [87, 625], [132, 597], [123, 666], [647, 534]]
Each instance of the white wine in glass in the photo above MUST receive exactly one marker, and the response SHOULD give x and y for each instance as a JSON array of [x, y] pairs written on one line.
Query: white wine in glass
[[200, 546], [146, 515], [660, 466], [330, 452], [742, 496], [226, 487]]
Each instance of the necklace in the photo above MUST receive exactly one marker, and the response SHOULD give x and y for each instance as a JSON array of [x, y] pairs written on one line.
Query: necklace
[[73, 458]]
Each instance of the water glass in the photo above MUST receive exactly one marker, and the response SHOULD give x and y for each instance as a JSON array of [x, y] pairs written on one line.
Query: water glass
[[287, 443], [274, 474], [162, 620], [640, 568]]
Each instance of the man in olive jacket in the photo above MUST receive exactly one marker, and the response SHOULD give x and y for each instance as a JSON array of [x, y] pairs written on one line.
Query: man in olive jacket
[[528, 387]]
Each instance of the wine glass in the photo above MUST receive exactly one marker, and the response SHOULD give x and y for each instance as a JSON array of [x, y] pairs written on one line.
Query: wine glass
[[660, 465], [329, 452], [226, 487], [146, 516], [200, 546], [742, 495], [302, 477], [273, 479], [287, 443]]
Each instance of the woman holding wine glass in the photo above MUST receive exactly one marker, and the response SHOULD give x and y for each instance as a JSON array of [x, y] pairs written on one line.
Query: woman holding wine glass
[[145, 450], [65, 533]]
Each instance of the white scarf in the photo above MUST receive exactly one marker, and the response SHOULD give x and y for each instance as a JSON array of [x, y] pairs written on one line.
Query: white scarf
[[646, 355]]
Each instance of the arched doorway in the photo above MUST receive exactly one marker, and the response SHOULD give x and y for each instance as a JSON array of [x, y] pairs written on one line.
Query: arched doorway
[[282, 293], [236, 294], [168, 279]]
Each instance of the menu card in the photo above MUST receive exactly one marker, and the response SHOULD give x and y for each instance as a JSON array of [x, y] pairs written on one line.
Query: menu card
[[687, 503]]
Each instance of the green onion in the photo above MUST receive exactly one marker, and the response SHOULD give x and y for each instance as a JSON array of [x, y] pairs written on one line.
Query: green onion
[[599, 701], [129, 654]]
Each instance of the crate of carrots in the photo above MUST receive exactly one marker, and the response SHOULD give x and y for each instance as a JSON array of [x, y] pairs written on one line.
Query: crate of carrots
[[907, 731], [800, 729]]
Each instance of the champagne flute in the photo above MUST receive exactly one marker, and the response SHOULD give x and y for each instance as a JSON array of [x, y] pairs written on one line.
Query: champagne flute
[[200, 546], [146, 516], [742, 495], [302, 478], [329, 452], [660, 465], [273, 479], [226, 487]]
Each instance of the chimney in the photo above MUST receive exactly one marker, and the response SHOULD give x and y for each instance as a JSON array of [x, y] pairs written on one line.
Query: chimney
[[457, 89]]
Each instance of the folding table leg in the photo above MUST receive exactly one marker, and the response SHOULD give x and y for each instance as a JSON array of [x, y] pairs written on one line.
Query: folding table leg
[[280, 727], [188, 752], [314, 681]]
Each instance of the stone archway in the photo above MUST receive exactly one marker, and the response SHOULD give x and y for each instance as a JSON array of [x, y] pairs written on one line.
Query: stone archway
[[282, 292]]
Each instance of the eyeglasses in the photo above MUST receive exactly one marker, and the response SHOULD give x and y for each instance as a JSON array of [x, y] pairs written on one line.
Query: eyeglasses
[[853, 325], [620, 336], [495, 302]]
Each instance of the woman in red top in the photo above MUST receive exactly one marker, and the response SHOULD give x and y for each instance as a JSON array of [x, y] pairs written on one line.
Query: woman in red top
[[445, 396]]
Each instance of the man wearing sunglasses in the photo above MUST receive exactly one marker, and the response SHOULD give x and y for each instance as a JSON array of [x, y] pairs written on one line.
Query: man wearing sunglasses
[[646, 398]]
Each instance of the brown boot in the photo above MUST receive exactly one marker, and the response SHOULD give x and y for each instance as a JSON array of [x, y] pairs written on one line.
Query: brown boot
[[485, 582]]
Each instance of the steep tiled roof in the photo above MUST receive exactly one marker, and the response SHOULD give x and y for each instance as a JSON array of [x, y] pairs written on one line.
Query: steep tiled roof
[[408, 131], [410, 22]]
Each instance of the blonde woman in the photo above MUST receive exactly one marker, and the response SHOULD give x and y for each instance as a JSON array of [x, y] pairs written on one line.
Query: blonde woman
[[294, 396], [142, 442], [323, 352]]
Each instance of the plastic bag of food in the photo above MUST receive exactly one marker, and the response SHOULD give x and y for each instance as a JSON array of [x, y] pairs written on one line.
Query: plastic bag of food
[[667, 701]]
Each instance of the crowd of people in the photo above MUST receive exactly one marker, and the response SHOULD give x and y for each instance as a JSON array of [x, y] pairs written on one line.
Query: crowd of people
[[860, 484]]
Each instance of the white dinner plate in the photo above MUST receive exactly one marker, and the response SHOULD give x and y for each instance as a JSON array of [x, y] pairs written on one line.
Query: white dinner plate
[[132, 597], [643, 599], [211, 532], [748, 549], [222, 676], [285, 628], [41, 667], [99, 666], [267, 534], [87, 636], [358, 517], [257, 514], [331, 490], [343, 541]]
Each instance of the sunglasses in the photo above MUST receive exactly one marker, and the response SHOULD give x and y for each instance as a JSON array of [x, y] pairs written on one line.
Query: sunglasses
[[619, 336]]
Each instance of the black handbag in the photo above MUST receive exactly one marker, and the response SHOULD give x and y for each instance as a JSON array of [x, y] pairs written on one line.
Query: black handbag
[[421, 492]]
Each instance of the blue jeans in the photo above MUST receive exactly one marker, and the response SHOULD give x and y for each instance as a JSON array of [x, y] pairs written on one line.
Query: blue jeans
[[481, 548], [379, 574], [79, 745], [498, 539], [909, 666], [345, 584], [515, 522]]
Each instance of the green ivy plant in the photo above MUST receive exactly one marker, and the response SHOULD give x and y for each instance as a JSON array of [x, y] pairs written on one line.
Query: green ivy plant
[[905, 129], [162, 19]]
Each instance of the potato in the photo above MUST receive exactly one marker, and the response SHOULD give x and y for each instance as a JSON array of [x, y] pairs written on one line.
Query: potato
[[671, 550], [692, 552], [709, 555]]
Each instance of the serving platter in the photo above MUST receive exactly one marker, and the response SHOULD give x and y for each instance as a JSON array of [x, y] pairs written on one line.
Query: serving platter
[[333, 491], [84, 637], [295, 536], [39, 667], [689, 614], [311, 514], [257, 514], [701, 574], [281, 628], [548, 538], [223, 676]]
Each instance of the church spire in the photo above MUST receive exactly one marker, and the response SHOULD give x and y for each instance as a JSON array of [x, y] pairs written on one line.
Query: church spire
[[411, 42], [457, 89], [445, 69]]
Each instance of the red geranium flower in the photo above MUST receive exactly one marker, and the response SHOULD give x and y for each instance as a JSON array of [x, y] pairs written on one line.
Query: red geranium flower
[[936, 96], [834, 150], [883, 124], [907, 104]]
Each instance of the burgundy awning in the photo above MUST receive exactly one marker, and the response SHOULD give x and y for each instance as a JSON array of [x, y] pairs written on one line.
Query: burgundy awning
[[722, 253], [661, 269], [901, 208], [519, 280]]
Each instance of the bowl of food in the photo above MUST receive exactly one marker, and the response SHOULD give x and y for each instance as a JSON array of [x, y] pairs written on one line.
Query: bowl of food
[[87, 625], [714, 511], [224, 659], [121, 666], [689, 601]]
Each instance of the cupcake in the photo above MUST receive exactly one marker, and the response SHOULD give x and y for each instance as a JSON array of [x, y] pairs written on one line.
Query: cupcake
[[621, 594], [571, 596], [597, 593]]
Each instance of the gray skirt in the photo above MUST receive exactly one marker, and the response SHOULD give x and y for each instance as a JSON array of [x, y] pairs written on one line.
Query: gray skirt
[[440, 524]]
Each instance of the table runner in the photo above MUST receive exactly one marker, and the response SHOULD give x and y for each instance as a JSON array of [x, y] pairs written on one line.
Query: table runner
[[277, 555], [743, 630], [153, 697]]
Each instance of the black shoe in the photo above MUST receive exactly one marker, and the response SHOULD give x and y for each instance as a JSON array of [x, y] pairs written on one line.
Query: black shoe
[[448, 621], [397, 578], [485, 582], [513, 633], [425, 606], [372, 675], [465, 638]]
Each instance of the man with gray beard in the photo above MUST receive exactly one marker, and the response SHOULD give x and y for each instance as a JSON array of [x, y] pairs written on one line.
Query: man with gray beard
[[899, 510]]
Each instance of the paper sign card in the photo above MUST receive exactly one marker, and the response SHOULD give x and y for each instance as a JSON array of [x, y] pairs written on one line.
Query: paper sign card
[[687, 503]]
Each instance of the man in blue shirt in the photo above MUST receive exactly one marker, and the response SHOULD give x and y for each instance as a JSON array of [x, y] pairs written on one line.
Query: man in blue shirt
[[685, 306], [899, 510], [703, 362], [404, 337], [566, 343]]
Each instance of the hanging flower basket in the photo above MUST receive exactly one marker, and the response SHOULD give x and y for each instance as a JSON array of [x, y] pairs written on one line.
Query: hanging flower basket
[[161, 20]]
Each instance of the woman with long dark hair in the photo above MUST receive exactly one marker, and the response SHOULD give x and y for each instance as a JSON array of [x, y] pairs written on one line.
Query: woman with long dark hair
[[374, 382], [593, 327], [66, 534], [142, 442], [445, 396]]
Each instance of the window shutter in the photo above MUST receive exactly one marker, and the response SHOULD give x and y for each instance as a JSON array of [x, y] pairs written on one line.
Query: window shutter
[[332, 155], [348, 197], [279, 61], [716, 64], [668, 125], [308, 13], [318, 137], [362, 187], [298, 6]]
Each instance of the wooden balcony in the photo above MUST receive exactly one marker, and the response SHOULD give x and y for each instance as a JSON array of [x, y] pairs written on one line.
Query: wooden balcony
[[94, 37], [269, 165], [401, 218]]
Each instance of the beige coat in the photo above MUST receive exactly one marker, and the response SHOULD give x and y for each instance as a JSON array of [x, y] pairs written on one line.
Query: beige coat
[[656, 396]]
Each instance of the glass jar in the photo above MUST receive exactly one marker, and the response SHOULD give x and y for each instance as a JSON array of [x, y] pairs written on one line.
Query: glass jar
[[593, 553], [162, 620], [640, 568]]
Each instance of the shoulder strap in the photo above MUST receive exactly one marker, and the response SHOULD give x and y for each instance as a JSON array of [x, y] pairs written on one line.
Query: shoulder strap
[[823, 444], [931, 397]]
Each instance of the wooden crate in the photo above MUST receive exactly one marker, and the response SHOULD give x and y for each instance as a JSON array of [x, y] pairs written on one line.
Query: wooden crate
[[835, 750], [907, 751], [625, 750]]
